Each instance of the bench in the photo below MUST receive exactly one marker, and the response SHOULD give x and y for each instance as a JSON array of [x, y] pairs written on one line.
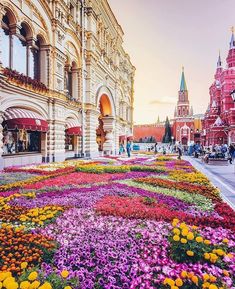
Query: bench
[[218, 161]]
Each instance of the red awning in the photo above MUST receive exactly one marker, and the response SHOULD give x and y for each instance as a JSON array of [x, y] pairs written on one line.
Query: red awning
[[20, 118], [73, 127], [122, 138]]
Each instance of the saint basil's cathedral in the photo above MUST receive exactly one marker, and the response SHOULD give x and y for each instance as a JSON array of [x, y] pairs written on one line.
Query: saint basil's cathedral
[[219, 121]]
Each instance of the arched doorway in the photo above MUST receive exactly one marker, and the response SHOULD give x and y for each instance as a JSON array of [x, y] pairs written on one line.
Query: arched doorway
[[104, 131], [184, 141]]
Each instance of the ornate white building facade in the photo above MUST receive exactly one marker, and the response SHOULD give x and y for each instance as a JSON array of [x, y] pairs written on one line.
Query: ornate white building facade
[[66, 82]]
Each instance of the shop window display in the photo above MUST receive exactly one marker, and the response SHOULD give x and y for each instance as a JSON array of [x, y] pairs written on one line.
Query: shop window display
[[21, 141], [69, 142]]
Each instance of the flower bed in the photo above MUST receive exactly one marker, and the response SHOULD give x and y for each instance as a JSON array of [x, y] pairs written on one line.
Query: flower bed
[[207, 191], [124, 224]]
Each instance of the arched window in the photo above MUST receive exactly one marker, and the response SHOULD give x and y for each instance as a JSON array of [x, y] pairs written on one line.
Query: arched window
[[19, 51], [5, 37]]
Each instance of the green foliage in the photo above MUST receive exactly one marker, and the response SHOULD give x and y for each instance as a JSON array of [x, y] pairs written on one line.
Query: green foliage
[[148, 169], [167, 135]]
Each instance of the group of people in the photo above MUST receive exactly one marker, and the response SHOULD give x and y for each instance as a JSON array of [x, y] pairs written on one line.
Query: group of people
[[122, 148], [216, 151]]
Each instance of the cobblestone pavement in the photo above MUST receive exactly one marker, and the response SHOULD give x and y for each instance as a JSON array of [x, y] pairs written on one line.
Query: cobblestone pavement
[[222, 177]]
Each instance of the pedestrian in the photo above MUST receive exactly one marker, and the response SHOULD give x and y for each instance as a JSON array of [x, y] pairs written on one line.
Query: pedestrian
[[155, 148], [128, 148], [231, 153], [121, 149], [179, 151]]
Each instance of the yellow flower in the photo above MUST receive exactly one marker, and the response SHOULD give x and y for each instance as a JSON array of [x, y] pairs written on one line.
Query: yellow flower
[[183, 226], [64, 273], [12, 285], [184, 232], [33, 276], [207, 256], [199, 239], [195, 280], [206, 285], [176, 231], [34, 285], [190, 253], [0, 285], [190, 236], [23, 265], [213, 278], [183, 241], [207, 242], [184, 274], [46, 285], [179, 282], [212, 286], [226, 273], [24, 285], [225, 240], [67, 287], [3, 276], [176, 238], [206, 277], [220, 252], [8, 280]]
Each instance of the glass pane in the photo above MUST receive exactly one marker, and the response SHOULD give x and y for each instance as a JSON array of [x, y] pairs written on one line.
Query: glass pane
[[19, 55], [5, 47], [34, 141], [9, 142], [34, 64]]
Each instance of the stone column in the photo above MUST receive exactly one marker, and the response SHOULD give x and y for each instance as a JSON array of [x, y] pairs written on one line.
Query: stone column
[[51, 132], [2, 12], [44, 62], [91, 122], [59, 144], [1, 140], [75, 83], [44, 146]]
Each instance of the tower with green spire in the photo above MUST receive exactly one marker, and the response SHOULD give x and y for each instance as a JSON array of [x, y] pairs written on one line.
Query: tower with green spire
[[182, 109]]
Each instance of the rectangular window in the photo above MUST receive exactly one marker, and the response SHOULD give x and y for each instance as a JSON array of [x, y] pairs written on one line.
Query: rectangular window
[[21, 141]]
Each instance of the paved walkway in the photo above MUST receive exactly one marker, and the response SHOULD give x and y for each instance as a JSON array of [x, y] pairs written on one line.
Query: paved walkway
[[222, 177]]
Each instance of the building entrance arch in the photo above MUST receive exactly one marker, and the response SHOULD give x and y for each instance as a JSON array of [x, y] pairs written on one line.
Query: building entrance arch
[[106, 125]]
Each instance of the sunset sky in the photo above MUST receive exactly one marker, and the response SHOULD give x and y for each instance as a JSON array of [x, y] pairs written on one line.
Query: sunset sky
[[161, 36]]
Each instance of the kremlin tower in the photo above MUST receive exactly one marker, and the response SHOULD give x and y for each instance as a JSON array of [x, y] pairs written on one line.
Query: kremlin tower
[[183, 125]]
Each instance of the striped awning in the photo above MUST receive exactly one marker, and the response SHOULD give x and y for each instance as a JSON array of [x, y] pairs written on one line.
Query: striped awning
[[73, 127], [21, 118]]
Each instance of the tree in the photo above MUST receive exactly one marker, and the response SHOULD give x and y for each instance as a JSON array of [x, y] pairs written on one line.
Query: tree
[[167, 135]]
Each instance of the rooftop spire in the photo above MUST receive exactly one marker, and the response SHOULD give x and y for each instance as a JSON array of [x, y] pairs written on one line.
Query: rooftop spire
[[183, 86], [219, 62], [232, 42]]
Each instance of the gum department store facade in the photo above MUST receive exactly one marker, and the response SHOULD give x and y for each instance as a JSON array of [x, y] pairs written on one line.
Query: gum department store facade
[[66, 82]]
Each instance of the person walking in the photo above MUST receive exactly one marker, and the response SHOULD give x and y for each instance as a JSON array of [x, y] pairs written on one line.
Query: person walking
[[179, 151], [231, 153], [128, 148], [121, 149]]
